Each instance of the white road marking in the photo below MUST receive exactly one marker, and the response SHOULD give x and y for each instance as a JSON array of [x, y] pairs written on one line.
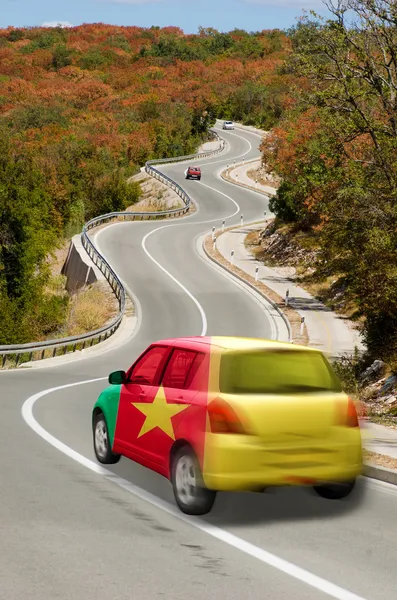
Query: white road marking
[[174, 279], [260, 554], [184, 288], [226, 196]]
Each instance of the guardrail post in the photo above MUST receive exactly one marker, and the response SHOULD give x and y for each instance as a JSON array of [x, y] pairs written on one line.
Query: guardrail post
[[302, 325], [232, 257]]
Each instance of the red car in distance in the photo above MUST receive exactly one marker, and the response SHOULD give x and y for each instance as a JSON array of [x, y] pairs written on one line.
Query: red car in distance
[[193, 173]]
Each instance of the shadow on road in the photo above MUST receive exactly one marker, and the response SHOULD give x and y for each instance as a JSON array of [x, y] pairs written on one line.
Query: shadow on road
[[276, 504], [281, 504]]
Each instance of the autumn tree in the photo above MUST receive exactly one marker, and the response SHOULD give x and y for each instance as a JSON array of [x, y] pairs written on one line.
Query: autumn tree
[[343, 177]]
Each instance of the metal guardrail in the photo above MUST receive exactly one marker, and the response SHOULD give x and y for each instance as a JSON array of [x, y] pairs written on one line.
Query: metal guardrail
[[19, 353]]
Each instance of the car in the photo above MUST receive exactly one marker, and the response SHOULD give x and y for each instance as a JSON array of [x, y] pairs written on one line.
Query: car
[[215, 414], [228, 125], [193, 173]]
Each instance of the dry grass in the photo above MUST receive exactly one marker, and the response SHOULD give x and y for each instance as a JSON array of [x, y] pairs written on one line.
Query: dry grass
[[292, 316], [380, 460], [91, 308], [156, 196]]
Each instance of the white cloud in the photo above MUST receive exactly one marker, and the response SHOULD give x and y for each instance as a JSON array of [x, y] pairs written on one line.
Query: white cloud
[[64, 24]]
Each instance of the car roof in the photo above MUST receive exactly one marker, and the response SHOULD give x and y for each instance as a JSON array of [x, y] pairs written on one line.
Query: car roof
[[195, 168], [232, 343]]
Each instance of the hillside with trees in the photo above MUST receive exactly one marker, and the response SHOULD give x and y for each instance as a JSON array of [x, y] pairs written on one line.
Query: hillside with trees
[[81, 109], [335, 149]]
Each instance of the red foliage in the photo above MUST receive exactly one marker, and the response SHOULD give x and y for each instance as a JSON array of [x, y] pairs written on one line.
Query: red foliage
[[112, 95]]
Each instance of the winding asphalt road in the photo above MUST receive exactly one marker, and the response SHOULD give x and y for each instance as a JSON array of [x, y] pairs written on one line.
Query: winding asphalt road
[[70, 529]]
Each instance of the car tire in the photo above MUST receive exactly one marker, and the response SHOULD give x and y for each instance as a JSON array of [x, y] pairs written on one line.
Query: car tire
[[335, 491], [102, 449], [190, 493], [199, 178]]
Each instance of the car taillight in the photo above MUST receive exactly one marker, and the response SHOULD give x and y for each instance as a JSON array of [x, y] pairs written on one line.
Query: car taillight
[[349, 417], [223, 418], [352, 418]]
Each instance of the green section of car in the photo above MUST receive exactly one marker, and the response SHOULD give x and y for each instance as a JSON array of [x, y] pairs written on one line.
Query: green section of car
[[108, 403]]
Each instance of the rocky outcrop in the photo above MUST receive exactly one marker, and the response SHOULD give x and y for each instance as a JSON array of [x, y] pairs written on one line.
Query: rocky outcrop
[[380, 395], [279, 247]]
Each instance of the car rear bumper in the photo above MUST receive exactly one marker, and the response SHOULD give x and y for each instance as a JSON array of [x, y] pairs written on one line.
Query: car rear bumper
[[243, 463]]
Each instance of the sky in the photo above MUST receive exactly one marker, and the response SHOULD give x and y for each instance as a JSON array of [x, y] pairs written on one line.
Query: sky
[[224, 15]]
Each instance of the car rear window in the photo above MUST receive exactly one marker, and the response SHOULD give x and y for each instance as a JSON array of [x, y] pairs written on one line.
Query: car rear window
[[276, 372], [178, 368], [195, 168]]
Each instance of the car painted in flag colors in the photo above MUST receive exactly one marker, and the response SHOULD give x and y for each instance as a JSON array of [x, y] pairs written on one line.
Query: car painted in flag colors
[[227, 413]]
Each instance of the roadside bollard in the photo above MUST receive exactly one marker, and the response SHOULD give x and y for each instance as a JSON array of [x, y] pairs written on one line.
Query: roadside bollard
[[232, 257], [256, 273], [242, 220], [302, 324], [223, 224], [264, 214], [214, 244], [213, 232], [287, 298]]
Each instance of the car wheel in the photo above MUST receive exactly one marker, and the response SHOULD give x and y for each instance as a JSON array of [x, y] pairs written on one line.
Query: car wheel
[[335, 491], [199, 178], [191, 495], [102, 449]]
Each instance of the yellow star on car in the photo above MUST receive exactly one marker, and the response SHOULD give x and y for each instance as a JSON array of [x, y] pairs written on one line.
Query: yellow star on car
[[158, 414]]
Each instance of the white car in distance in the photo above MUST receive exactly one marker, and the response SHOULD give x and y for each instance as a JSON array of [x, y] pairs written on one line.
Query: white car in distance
[[228, 125]]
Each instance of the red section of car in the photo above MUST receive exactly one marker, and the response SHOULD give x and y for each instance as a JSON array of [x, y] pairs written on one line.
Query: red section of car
[[169, 381]]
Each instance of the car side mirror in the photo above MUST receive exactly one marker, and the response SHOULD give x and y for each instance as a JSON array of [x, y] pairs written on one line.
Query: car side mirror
[[117, 377]]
